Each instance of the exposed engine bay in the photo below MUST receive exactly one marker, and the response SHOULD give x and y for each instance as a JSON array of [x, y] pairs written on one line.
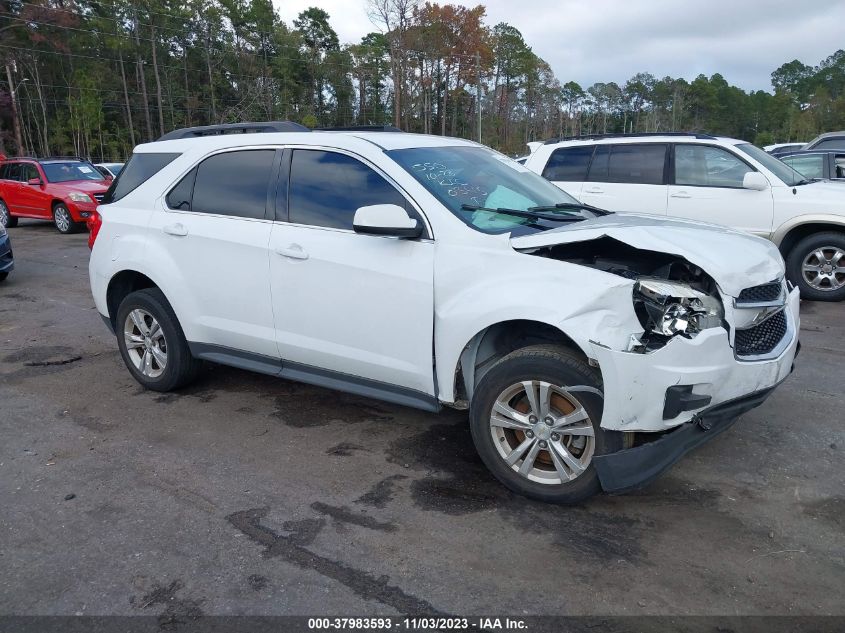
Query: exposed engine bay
[[672, 297]]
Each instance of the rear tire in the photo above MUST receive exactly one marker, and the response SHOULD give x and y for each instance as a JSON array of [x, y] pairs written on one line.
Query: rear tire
[[6, 219], [63, 220], [152, 343], [816, 264], [3, 276], [559, 430]]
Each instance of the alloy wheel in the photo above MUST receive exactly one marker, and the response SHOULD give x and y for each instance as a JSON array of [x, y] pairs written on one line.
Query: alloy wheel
[[542, 432], [62, 218], [824, 268], [145, 343], [4, 215]]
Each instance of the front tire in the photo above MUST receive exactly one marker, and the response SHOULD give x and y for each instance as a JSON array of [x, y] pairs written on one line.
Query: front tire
[[816, 264], [152, 343], [63, 220], [536, 423]]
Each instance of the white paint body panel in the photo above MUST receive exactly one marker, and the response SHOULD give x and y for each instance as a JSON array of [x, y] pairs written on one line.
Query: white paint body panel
[[401, 312]]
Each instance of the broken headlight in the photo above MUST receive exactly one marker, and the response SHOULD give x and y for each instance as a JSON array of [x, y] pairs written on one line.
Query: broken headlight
[[669, 308]]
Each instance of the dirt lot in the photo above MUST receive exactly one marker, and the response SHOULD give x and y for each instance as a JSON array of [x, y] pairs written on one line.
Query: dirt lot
[[248, 494]]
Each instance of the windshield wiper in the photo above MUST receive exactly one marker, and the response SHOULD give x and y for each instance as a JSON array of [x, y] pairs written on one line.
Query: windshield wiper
[[529, 215], [572, 205]]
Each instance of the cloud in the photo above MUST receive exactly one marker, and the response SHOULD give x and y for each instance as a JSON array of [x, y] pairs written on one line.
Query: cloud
[[611, 40]]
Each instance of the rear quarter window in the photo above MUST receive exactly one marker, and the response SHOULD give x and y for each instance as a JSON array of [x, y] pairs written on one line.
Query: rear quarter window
[[139, 169]]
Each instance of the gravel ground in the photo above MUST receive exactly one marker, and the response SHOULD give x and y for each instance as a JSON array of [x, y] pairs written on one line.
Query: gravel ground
[[246, 494]]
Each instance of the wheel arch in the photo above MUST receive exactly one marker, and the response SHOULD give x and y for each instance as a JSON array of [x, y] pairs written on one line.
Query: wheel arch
[[794, 234], [497, 340], [121, 285]]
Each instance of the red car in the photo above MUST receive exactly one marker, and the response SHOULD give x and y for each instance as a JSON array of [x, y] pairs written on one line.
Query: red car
[[64, 190]]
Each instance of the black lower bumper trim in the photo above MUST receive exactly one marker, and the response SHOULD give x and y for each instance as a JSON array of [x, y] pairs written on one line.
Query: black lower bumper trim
[[635, 467]]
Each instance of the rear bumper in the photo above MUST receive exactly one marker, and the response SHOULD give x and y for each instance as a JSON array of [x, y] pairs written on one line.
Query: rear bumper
[[635, 467], [7, 261]]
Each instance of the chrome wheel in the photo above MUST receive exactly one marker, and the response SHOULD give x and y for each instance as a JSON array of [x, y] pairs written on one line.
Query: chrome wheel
[[824, 268], [145, 343], [542, 432], [4, 215], [62, 219]]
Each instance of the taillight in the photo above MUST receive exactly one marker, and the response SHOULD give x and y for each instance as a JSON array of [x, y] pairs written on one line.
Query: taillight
[[94, 222]]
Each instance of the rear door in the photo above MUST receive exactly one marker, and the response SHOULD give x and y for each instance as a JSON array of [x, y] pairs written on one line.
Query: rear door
[[215, 230], [567, 168], [10, 187], [628, 177], [707, 186]]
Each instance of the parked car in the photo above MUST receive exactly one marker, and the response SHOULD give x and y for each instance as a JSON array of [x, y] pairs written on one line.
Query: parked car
[[817, 164], [830, 140], [712, 179], [109, 170], [432, 272], [7, 260], [64, 190], [782, 148]]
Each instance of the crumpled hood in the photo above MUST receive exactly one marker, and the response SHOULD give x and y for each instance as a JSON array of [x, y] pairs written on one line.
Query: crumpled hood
[[735, 260]]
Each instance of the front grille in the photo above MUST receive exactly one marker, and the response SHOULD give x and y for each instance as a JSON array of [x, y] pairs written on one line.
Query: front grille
[[762, 338], [99, 196], [760, 294]]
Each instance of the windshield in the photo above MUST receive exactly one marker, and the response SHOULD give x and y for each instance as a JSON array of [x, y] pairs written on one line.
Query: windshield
[[65, 172], [473, 182], [780, 169]]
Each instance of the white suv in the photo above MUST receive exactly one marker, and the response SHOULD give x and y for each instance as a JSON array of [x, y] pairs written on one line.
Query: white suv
[[592, 350], [713, 179]]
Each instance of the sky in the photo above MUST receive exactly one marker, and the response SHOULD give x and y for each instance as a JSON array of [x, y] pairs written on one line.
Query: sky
[[610, 40]]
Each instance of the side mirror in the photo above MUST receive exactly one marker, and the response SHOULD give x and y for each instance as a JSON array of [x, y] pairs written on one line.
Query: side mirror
[[386, 219], [34, 181], [755, 180]]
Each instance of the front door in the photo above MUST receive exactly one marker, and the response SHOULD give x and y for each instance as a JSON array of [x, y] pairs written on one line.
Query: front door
[[708, 187], [33, 198], [349, 306]]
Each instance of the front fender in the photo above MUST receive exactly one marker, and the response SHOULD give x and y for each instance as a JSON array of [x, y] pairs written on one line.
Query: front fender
[[835, 221], [585, 304]]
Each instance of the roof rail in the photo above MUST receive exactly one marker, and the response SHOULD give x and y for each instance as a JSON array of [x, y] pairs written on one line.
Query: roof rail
[[582, 137], [61, 158], [358, 128], [234, 128]]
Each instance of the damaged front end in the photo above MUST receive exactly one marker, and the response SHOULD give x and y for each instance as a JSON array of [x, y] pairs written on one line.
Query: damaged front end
[[671, 296]]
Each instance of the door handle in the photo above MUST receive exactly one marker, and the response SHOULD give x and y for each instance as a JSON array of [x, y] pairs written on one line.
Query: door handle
[[176, 229], [595, 190], [680, 194], [293, 251]]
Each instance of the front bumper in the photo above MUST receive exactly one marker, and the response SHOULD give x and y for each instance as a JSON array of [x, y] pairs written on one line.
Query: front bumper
[[635, 385], [81, 211], [635, 467], [7, 261]]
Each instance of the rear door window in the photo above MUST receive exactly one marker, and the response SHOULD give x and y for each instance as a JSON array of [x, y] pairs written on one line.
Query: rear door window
[[637, 164], [234, 184], [568, 164], [139, 169], [10, 171]]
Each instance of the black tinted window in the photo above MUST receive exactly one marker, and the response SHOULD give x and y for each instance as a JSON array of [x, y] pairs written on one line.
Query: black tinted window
[[568, 164], [831, 143], [180, 196], [139, 169], [327, 188], [234, 183], [598, 168], [10, 171], [637, 164]]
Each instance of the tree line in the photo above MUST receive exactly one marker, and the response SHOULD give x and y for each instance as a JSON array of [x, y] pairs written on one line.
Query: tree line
[[94, 78]]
